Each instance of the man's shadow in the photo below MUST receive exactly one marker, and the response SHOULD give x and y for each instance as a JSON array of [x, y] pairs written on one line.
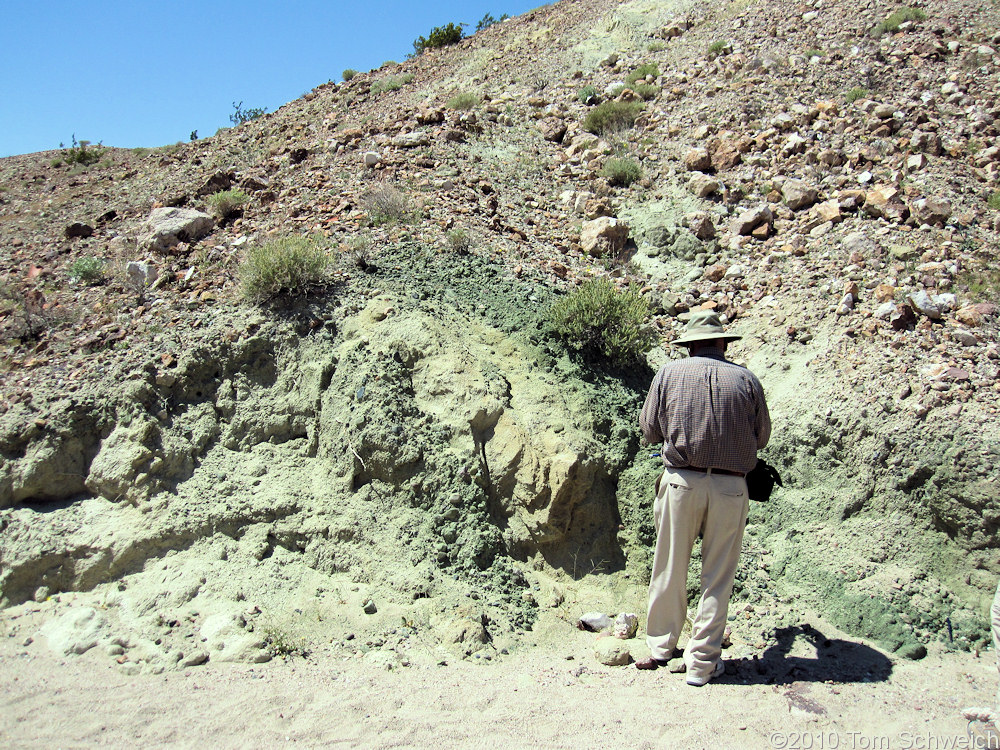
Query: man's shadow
[[835, 661]]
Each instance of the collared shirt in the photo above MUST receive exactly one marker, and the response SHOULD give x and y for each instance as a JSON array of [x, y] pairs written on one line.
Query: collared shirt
[[708, 412]]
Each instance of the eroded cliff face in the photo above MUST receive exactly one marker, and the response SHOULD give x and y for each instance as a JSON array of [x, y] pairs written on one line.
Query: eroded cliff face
[[422, 451]]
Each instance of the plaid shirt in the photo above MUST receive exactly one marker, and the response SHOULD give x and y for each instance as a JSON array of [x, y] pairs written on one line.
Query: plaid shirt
[[708, 413]]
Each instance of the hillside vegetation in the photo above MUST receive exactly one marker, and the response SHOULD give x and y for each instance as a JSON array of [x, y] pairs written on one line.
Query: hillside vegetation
[[333, 385]]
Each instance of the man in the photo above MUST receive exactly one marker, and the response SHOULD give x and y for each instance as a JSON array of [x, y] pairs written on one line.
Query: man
[[711, 417]]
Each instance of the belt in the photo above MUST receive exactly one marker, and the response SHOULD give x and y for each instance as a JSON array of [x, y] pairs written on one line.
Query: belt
[[727, 472]]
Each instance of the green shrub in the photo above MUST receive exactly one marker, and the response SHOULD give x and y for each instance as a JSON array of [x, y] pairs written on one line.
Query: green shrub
[[603, 323], [994, 201], [858, 92], [283, 644], [240, 115], [88, 270], [459, 241], [587, 94], [811, 53], [226, 202], [349, 74], [385, 204], [621, 172], [611, 117], [440, 36], [79, 153], [488, 20], [465, 100], [646, 90], [641, 72], [392, 83], [718, 47], [891, 24], [656, 47], [981, 283], [284, 266]]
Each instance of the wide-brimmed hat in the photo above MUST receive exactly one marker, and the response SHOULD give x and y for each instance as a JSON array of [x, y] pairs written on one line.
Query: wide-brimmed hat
[[704, 325]]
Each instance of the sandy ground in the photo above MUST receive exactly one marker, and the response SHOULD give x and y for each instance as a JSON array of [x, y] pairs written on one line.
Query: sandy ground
[[814, 689]]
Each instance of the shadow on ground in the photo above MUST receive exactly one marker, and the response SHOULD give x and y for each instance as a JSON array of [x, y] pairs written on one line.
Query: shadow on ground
[[833, 660]]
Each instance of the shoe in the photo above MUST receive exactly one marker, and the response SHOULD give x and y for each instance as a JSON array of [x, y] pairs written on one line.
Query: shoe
[[720, 668], [650, 663]]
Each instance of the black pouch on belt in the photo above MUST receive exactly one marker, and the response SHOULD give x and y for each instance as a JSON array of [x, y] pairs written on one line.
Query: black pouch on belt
[[761, 481]]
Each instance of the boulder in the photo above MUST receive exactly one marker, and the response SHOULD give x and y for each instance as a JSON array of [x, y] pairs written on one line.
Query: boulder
[[697, 160], [612, 652], [604, 236], [553, 129], [166, 228], [923, 303], [798, 194], [933, 211], [140, 275], [748, 221], [703, 185], [626, 626], [411, 140], [701, 225], [594, 622], [829, 211]]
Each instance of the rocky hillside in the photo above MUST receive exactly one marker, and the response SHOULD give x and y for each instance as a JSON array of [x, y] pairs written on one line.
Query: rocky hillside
[[410, 440]]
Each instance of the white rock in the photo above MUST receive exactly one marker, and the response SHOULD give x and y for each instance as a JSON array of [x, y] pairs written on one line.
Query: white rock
[[74, 632], [603, 236], [595, 621], [168, 227], [411, 140], [626, 625], [611, 652], [140, 275]]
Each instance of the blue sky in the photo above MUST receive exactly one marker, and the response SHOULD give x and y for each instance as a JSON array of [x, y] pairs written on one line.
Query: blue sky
[[148, 73]]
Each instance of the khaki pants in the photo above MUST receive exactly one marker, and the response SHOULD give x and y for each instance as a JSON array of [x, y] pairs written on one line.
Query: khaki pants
[[995, 622], [689, 502]]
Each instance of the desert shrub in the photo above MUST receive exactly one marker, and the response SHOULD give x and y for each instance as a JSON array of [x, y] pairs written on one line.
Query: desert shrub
[[811, 53], [27, 309], [621, 172], [646, 90], [641, 72], [240, 115], [610, 117], [994, 201], [891, 24], [440, 36], [458, 240], [656, 47], [587, 94], [385, 204], [283, 644], [858, 92], [80, 153], [359, 253], [284, 266], [465, 100], [349, 73], [718, 47], [226, 202], [391, 83], [88, 270], [603, 323], [488, 20]]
